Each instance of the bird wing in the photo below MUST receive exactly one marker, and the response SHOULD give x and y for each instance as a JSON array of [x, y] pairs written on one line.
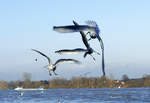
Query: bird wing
[[49, 61], [60, 61], [94, 24], [84, 39], [91, 23], [101, 41], [102, 47], [70, 28], [71, 51], [103, 63]]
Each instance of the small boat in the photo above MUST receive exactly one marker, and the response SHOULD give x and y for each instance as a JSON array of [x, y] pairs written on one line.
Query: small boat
[[23, 89], [119, 86]]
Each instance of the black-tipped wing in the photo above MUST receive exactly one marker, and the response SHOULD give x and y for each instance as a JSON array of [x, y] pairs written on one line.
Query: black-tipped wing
[[103, 63], [70, 28], [49, 61], [71, 51], [60, 61], [101, 41], [84, 39]]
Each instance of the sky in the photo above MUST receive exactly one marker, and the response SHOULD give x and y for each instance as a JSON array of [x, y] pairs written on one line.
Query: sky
[[26, 24]]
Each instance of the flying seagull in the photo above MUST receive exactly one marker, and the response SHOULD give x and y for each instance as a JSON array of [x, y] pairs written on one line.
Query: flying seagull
[[52, 67], [91, 28], [89, 50], [77, 50], [75, 28], [88, 46]]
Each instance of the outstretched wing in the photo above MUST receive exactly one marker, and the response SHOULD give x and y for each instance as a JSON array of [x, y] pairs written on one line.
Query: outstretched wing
[[97, 30], [103, 63], [71, 51], [60, 61], [65, 29], [84, 39], [70, 28], [101, 41], [49, 61]]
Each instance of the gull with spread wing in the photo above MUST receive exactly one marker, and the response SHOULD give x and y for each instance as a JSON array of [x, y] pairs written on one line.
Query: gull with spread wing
[[89, 50], [93, 30], [52, 67]]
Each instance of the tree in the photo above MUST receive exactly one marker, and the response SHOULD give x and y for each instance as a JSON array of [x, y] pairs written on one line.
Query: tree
[[125, 77], [3, 85], [27, 80], [26, 76]]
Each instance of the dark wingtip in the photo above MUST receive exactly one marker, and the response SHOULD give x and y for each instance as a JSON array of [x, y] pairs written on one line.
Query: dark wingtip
[[32, 49], [58, 52], [104, 74], [54, 27], [73, 21]]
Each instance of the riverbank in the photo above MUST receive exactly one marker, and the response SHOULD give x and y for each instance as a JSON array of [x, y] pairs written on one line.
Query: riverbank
[[79, 82]]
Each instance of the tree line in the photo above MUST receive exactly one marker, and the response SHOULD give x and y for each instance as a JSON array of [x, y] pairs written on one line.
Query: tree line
[[78, 82]]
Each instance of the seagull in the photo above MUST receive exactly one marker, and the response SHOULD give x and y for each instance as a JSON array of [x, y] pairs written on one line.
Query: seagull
[[89, 50], [52, 67], [78, 50], [94, 33], [91, 27], [84, 39]]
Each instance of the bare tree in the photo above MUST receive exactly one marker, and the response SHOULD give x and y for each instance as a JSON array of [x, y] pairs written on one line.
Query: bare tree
[[27, 76], [27, 80]]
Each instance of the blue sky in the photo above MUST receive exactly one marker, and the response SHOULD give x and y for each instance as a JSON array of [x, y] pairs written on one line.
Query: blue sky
[[28, 24]]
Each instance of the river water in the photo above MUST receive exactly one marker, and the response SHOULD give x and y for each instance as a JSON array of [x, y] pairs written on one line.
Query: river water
[[100, 95]]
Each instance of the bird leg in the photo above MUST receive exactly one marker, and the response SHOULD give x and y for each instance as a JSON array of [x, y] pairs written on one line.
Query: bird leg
[[55, 73], [85, 54], [92, 57], [50, 73], [87, 33], [89, 39], [97, 52]]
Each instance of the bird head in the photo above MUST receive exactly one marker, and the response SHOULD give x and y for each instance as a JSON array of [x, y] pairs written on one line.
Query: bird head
[[51, 67], [90, 50]]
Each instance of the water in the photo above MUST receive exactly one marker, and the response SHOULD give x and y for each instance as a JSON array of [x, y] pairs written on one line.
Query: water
[[102, 95]]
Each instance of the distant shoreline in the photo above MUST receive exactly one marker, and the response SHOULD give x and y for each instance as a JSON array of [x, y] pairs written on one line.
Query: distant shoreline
[[78, 82]]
